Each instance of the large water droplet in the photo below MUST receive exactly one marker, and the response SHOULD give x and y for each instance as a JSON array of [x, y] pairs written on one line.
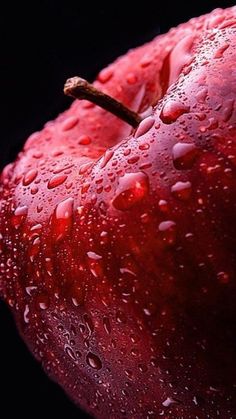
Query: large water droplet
[[172, 110], [184, 155], [132, 189], [56, 181]]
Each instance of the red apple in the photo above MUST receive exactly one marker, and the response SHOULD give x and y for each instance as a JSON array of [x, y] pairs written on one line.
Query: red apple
[[118, 245]]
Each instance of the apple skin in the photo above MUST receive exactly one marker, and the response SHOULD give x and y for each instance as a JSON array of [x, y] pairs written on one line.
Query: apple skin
[[119, 263]]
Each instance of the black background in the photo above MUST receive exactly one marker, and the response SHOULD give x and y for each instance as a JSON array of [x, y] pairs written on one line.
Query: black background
[[43, 43]]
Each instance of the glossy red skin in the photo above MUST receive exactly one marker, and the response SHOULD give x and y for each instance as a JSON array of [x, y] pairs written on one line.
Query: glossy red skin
[[132, 315]]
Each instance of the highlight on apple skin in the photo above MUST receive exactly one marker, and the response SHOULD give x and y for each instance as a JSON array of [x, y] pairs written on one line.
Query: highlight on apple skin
[[117, 244]]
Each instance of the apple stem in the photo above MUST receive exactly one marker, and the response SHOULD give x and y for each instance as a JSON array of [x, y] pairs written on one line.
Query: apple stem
[[79, 88]]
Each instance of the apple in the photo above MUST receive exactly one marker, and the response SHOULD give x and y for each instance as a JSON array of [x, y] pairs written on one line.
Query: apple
[[118, 239]]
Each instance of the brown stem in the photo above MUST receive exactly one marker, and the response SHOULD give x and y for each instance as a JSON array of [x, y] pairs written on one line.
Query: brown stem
[[79, 88]]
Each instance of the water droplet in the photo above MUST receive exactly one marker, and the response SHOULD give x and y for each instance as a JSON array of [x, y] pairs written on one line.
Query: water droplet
[[144, 126], [228, 108], [37, 154], [120, 317], [30, 290], [132, 189], [146, 61], [26, 314], [144, 146], [43, 301], [34, 248], [163, 205], [95, 265], [62, 220], [169, 402], [131, 78], [84, 140], [133, 159], [93, 361], [69, 351], [105, 75], [172, 110], [107, 156], [19, 216], [182, 190], [64, 209], [29, 177], [69, 123], [56, 180], [168, 232], [220, 52], [93, 255], [223, 277], [107, 325], [201, 95], [184, 155]]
